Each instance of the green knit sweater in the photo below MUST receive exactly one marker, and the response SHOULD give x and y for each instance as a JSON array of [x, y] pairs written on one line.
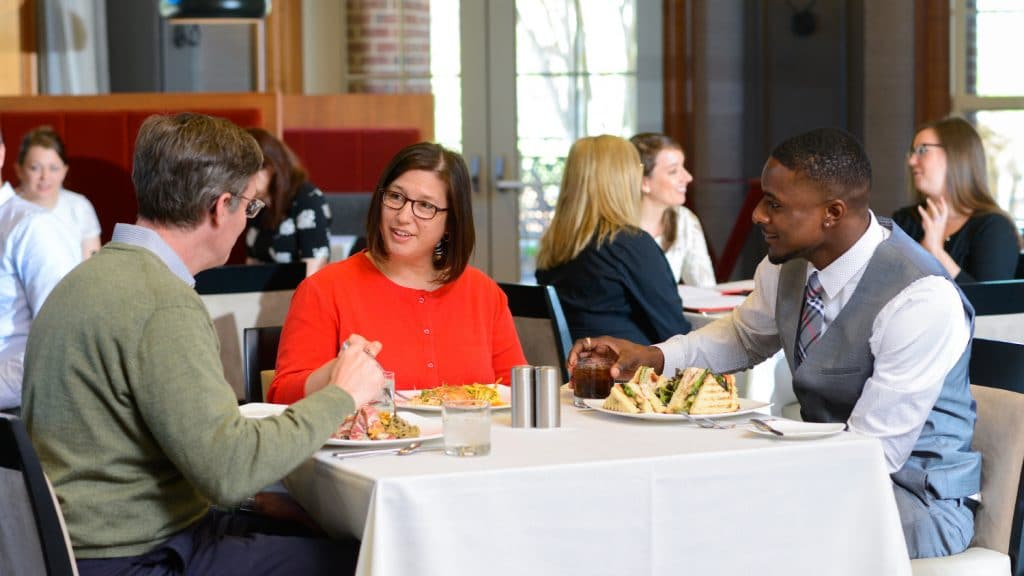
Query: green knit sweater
[[126, 403]]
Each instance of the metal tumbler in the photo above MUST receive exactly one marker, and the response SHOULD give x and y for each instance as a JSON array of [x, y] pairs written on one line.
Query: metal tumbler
[[522, 397], [547, 387]]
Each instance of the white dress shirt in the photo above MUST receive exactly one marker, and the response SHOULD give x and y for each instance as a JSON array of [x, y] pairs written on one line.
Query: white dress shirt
[[916, 338], [78, 213], [35, 253], [688, 256]]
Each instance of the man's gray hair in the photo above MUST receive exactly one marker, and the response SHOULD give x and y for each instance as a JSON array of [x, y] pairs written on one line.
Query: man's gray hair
[[183, 163]]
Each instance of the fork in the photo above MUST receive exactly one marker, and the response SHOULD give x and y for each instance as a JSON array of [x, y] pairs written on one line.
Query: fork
[[707, 423]]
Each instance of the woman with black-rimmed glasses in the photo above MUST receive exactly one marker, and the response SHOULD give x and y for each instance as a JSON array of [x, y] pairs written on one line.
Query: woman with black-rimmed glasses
[[956, 218], [441, 321]]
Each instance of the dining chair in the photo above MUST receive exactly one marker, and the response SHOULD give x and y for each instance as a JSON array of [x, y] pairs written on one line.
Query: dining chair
[[33, 537], [540, 323], [998, 308], [259, 358], [998, 364], [999, 437]]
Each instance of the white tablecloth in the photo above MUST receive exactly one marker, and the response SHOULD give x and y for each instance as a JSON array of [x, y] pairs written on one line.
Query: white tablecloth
[[609, 495]]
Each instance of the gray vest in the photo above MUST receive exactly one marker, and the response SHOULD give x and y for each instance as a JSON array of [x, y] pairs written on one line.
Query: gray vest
[[831, 378]]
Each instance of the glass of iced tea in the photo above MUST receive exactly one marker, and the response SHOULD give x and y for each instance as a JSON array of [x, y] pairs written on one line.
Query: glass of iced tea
[[591, 378]]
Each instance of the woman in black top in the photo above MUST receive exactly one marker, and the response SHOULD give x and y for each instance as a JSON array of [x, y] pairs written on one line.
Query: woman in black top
[[296, 223], [957, 220], [611, 276]]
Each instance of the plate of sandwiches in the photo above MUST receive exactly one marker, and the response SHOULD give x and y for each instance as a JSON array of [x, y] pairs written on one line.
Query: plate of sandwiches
[[691, 393], [499, 395]]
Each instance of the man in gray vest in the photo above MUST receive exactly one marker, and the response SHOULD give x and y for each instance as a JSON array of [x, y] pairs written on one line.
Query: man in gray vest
[[875, 332]]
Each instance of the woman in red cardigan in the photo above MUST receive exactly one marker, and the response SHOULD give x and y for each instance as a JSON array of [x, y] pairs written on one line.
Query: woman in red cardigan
[[441, 321]]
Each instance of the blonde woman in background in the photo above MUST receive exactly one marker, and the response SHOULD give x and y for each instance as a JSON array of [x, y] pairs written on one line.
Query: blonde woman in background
[[674, 227], [610, 275], [42, 167]]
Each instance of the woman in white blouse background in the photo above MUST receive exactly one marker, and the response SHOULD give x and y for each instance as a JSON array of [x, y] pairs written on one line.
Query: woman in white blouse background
[[674, 227]]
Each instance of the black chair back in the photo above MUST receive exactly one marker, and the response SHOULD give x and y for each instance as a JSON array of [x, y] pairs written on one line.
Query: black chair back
[[259, 354], [250, 278], [996, 297], [540, 322], [19, 458], [998, 364]]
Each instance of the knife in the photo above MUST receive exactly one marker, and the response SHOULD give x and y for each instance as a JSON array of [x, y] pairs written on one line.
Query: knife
[[357, 453], [762, 425]]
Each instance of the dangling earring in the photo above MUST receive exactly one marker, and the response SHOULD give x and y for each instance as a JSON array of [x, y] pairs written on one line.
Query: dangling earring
[[441, 249]]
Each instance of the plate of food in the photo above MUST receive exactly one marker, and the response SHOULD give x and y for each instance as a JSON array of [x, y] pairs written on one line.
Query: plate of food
[[372, 427], [499, 395], [693, 393], [366, 427]]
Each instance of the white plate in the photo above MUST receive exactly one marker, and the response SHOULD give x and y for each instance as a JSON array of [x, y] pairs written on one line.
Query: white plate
[[430, 428], [794, 430], [504, 392], [261, 409], [746, 405]]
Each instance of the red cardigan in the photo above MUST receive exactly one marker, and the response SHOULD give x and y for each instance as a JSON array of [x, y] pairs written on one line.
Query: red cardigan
[[458, 334]]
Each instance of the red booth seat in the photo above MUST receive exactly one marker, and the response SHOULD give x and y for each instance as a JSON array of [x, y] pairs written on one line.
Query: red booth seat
[[100, 146], [347, 159]]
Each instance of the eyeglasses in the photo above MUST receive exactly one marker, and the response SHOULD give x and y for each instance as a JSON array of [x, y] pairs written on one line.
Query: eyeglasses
[[252, 207], [420, 208], [922, 149]]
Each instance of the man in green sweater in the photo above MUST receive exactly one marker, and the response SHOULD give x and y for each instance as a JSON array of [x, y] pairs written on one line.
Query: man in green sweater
[[125, 397]]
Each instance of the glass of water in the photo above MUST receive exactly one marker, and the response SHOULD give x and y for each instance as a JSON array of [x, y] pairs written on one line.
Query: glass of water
[[467, 427], [386, 398]]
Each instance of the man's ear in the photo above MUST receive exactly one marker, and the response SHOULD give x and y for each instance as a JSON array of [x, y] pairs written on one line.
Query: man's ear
[[3, 151], [222, 208], [835, 210]]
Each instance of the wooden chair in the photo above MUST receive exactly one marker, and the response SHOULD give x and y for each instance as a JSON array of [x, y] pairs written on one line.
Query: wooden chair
[[259, 359], [33, 537], [996, 367], [541, 325]]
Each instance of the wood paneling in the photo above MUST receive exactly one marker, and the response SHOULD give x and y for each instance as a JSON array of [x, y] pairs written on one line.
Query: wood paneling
[[360, 110], [278, 111], [17, 47], [268, 104], [284, 47], [932, 99], [677, 75]]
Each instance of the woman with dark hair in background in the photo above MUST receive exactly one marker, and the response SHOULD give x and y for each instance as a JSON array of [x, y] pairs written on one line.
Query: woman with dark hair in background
[[42, 166], [956, 219], [440, 320], [610, 275], [296, 222], [674, 227]]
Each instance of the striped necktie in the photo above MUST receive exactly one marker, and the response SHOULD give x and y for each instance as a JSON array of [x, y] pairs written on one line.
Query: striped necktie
[[811, 318]]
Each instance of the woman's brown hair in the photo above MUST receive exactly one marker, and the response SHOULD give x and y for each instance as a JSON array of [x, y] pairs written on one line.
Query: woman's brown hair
[[649, 144], [286, 176], [966, 170], [459, 232], [43, 137]]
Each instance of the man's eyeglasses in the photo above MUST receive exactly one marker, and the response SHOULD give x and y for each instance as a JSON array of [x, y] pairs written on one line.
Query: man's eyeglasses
[[252, 206], [922, 149], [420, 208]]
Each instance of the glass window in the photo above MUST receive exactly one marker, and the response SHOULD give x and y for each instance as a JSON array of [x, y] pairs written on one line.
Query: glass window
[[575, 77], [987, 44]]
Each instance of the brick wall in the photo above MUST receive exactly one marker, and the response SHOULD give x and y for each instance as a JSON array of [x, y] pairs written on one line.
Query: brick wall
[[388, 45]]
